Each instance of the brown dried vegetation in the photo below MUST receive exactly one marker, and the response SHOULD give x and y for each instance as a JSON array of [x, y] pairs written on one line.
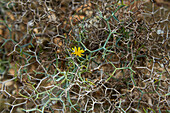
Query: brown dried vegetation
[[125, 67]]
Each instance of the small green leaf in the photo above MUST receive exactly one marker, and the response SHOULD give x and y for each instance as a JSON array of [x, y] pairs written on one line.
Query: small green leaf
[[60, 78]]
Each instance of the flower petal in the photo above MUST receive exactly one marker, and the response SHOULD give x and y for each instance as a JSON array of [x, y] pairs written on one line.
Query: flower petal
[[78, 48], [73, 49]]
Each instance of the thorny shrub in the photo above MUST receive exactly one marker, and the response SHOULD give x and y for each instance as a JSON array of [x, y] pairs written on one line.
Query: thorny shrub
[[124, 68]]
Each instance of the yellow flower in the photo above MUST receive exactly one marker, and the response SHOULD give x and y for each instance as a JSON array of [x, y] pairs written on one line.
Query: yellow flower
[[77, 52]]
